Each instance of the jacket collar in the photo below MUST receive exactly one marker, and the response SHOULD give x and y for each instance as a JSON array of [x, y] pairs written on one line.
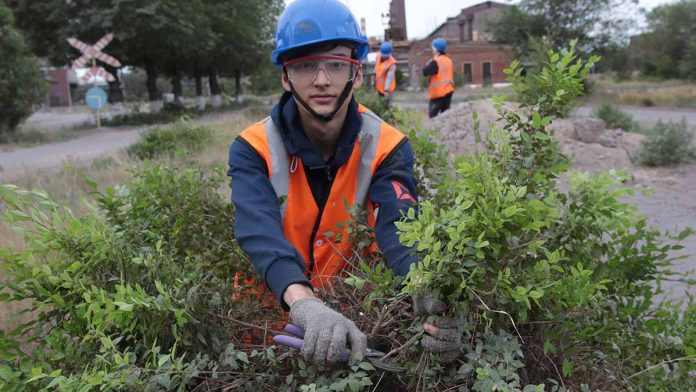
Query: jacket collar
[[286, 117]]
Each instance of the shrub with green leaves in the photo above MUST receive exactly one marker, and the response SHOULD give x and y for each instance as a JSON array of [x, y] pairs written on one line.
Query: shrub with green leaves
[[615, 118], [558, 287], [183, 137], [562, 75], [377, 104], [570, 275], [667, 144]]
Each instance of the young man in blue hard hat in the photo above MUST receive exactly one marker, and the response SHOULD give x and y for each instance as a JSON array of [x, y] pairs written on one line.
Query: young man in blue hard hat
[[385, 71], [440, 73], [293, 173]]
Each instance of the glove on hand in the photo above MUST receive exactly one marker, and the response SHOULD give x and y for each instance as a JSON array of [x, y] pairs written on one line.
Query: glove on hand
[[445, 337], [326, 332]]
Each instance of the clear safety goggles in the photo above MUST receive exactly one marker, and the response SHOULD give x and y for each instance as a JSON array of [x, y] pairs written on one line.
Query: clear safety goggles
[[337, 69]]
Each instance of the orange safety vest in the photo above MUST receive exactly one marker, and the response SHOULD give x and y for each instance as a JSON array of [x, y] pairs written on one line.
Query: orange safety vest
[[441, 83], [304, 225], [381, 71]]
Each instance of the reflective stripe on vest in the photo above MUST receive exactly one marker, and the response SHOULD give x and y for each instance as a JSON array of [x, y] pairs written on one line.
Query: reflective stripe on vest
[[441, 83], [301, 218], [280, 162]]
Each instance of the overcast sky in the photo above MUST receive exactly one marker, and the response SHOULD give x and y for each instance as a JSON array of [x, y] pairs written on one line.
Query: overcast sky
[[423, 16]]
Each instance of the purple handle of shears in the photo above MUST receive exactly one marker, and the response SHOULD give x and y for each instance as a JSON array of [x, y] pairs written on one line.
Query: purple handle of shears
[[289, 341], [296, 342], [293, 329]]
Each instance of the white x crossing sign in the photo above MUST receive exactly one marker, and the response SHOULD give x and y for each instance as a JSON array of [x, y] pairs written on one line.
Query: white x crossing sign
[[93, 52], [97, 72]]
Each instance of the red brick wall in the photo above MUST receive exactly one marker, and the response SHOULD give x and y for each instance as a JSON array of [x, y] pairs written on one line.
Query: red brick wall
[[460, 53]]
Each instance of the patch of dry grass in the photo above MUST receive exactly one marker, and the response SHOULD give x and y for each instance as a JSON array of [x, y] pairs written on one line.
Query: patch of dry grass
[[672, 93], [67, 188]]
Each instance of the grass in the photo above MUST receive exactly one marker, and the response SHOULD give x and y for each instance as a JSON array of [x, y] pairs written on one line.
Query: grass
[[670, 93], [67, 188], [28, 137]]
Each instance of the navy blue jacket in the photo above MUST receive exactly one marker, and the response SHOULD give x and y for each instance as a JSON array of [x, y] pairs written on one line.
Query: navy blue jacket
[[258, 226]]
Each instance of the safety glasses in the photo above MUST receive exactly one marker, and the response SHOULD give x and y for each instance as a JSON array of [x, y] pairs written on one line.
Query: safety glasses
[[337, 69]]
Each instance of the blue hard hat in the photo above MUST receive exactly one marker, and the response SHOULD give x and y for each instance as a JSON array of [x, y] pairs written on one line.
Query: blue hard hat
[[440, 44], [311, 22], [385, 49]]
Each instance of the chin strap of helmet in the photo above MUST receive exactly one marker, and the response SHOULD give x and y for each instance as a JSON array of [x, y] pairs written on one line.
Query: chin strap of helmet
[[324, 117], [341, 98]]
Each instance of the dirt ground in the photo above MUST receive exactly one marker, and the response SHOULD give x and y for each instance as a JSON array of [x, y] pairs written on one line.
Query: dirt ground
[[670, 207]]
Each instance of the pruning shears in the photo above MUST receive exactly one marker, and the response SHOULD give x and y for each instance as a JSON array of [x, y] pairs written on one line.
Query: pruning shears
[[375, 357]]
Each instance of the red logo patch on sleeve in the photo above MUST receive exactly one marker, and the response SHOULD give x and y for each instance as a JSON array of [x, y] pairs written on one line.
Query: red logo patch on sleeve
[[401, 192]]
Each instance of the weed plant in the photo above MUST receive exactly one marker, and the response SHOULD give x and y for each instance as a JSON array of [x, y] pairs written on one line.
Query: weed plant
[[182, 137], [667, 143], [615, 118]]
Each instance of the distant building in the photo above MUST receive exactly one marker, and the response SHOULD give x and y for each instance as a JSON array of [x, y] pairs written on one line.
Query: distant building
[[397, 22], [477, 61]]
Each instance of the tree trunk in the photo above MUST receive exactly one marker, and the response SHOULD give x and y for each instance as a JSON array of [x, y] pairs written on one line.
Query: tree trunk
[[115, 90], [215, 90], [200, 99], [151, 83], [177, 88], [237, 84]]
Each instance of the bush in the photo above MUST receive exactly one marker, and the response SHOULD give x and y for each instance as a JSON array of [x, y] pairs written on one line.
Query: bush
[[142, 281], [542, 81], [21, 82], [615, 118], [667, 144], [557, 286], [181, 137], [376, 103]]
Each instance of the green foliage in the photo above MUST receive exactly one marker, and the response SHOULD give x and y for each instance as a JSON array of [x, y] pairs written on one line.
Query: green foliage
[[181, 137], [552, 87], [21, 82], [596, 24], [667, 144], [377, 104], [141, 282], [667, 49], [558, 285], [569, 274], [615, 118]]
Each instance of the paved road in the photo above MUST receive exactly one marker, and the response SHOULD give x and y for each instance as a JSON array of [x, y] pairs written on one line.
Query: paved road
[[53, 120], [96, 143], [55, 155]]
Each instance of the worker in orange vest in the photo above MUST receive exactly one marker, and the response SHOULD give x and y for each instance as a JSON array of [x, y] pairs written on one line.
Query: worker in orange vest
[[440, 73], [294, 173], [385, 71]]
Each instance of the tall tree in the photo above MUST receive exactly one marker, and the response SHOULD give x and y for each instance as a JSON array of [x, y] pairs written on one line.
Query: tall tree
[[668, 50], [594, 23], [252, 23], [20, 79]]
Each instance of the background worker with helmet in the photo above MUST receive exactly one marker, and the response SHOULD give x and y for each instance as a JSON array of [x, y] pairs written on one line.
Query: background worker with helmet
[[440, 73], [318, 150], [385, 71]]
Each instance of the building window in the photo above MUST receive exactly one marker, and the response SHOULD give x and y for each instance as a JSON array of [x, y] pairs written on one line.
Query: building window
[[487, 72], [468, 73]]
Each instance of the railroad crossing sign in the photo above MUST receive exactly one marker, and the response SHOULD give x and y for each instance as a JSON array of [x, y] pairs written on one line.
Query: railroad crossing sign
[[92, 52], [95, 72]]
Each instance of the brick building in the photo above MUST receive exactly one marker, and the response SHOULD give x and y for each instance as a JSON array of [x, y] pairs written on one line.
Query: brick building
[[477, 61]]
